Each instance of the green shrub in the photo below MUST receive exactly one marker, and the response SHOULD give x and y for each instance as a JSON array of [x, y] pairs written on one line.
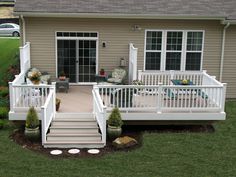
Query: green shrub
[[1, 124], [4, 112], [115, 118], [32, 120], [4, 102], [4, 92]]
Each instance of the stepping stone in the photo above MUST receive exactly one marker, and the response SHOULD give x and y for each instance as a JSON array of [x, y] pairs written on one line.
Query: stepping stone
[[73, 151], [56, 152], [93, 151]]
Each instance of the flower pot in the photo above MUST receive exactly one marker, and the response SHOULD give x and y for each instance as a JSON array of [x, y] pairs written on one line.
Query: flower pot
[[113, 132], [32, 133], [36, 82], [62, 78], [102, 73], [58, 106]]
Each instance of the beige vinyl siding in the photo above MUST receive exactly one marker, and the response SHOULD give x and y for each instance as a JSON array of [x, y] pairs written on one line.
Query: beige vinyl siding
[[118, 34], [229, 72]]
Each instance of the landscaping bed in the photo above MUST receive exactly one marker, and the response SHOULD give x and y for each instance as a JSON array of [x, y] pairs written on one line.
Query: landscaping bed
[[135, 132]]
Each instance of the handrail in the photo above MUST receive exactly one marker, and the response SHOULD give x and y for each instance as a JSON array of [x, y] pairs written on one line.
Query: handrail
[[100, 113], [47, 113]]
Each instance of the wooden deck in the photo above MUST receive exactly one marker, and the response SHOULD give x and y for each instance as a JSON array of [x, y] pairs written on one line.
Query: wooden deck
[[77, 100]]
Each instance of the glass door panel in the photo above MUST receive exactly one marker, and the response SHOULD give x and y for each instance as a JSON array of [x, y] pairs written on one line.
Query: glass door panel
[[87, 60], [66, 54]]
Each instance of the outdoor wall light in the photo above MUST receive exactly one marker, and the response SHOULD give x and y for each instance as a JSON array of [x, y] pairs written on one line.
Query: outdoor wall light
[[137, 28], [104, 44], [122, 62]]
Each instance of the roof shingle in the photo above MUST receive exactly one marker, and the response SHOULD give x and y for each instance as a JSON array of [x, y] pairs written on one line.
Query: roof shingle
[[200, 8]]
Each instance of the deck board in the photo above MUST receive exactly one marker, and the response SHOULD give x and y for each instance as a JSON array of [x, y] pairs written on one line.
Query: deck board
[[78, 99]]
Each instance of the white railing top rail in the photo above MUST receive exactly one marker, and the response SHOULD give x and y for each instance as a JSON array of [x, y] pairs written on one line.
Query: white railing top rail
[[212, 78], [33, 86], [156, 86], [98, 99], [132, 46], [50, 95], [25, 46], [19, 79]]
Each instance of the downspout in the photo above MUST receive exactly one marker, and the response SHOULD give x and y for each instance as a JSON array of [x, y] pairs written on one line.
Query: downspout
[[223, 51], [23, 28]]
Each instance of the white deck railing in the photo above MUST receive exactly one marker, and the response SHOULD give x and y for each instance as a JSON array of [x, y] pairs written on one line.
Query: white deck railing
[[24, 96], [100, 112], [165, 77], [133, 53], [161, 98], [47, 113]]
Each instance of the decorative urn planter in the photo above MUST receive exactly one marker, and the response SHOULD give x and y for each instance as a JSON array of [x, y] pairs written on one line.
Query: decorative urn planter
[[113, 132], [32, 133]]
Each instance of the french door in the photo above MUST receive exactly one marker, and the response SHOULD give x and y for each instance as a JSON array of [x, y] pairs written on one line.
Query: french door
[[77, 59]]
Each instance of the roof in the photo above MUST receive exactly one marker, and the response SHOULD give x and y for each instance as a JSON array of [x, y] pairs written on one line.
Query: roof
[[192, 8]]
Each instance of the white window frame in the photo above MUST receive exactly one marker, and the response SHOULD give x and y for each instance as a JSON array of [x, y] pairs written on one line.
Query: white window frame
[[164, 43]]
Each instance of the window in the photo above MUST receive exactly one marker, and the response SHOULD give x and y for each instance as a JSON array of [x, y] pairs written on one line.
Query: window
[[173, 50], [76, 34], [153, 50], [194, 50]]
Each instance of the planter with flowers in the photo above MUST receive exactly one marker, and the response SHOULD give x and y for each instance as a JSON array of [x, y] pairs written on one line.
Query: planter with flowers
[[34, 76]]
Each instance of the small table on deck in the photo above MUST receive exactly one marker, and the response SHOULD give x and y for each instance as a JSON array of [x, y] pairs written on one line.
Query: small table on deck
[[62, 84], [101, 78]]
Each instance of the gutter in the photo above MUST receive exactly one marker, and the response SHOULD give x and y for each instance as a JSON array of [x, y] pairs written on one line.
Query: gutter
[[120, 16], [223, 51], [23, 28]]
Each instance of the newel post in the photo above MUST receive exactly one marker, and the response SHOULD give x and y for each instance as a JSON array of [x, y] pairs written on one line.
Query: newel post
[[104, 133], [43, 126], [160, 86], [139, 75], [223, 97], [11, 96]]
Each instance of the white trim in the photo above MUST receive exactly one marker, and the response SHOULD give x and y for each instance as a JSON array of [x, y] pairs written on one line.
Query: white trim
[[77, 39], [164, 50], [23, 29], [125, 16], [223, 50]]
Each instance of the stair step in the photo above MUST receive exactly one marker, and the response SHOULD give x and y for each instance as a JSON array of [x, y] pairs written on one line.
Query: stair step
[[75, 123], [75, 115], [73, 137], [74, 144], [75, 119], [74, 126], [73, 130]]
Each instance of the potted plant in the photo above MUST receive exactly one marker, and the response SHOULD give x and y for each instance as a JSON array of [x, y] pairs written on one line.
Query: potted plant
[[102, 72], [62, 76], [34, 76], [58, 102], [114, 124], [32, 125]]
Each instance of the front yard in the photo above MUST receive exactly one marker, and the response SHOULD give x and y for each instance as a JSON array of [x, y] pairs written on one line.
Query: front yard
[[162, 154]]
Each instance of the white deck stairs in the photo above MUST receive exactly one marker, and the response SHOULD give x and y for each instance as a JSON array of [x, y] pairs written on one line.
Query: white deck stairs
[[74, 130]]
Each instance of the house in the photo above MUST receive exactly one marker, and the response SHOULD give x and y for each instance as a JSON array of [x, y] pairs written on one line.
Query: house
[[160, 41]]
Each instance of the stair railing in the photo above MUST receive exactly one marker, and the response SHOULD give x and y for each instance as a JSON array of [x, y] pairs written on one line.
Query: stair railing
[[48, 113], [100, 113]]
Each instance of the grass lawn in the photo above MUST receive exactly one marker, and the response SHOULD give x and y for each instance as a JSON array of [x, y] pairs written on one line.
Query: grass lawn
[[162, 155], [8, 49]]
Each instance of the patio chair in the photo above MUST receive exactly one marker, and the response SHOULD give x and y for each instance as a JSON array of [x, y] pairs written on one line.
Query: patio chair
[[117, 76]]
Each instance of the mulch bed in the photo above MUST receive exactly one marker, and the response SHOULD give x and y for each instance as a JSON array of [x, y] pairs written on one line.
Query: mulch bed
[[132, 131]]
